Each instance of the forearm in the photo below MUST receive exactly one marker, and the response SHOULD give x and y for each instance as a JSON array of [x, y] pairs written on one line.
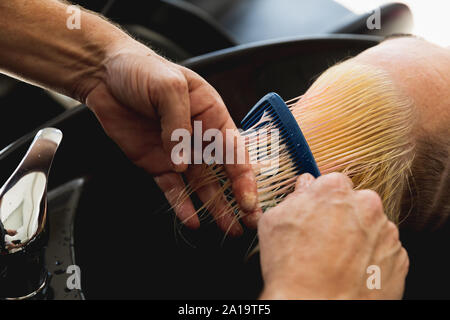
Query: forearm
[[37, 46]]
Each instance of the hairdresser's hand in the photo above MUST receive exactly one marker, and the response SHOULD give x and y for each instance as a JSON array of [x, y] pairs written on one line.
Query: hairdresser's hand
[[318, 243], [142, 100]]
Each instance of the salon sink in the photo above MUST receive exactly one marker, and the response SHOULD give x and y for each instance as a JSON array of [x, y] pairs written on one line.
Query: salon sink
[[109, 218]]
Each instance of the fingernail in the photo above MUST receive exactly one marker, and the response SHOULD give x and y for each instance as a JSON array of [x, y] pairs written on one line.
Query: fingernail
[[249, 202]]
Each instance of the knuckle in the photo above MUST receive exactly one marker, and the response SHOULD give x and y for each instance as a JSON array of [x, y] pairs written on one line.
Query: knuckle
[[404, 259], [392, 231], [334, 180], [175, 81], [269, 217], [372, 201]]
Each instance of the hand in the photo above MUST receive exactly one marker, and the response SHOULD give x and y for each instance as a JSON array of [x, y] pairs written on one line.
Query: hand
[[141, 100], [318, 243]]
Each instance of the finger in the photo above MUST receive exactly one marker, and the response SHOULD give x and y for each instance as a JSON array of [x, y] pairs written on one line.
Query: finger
[[241, 175], [172, 185], [334, 181], [240, 171], [220, 208], [243, 184], [251, 219], [173, 107], [303, 182], [404, 260], [208, 107], [371, 208]]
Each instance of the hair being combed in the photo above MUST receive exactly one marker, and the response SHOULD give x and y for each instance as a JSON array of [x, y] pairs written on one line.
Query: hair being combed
[[355, 121]]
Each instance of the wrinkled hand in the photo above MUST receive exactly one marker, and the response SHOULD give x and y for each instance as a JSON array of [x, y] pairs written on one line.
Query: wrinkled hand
[[319, 242], [142, 100]]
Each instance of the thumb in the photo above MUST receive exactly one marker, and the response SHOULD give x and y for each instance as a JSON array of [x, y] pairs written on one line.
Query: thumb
[[303, 182]]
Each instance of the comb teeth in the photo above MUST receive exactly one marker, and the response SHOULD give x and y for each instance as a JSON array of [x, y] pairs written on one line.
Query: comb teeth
[[273, 107]]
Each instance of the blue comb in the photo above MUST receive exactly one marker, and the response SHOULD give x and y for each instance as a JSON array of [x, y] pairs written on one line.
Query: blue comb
[[273, 106]]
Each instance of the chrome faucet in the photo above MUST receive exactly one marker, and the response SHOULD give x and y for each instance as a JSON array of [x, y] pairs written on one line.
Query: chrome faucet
[[23, 215]]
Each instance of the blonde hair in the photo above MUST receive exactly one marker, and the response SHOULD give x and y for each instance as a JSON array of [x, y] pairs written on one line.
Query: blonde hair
[[355, 121]]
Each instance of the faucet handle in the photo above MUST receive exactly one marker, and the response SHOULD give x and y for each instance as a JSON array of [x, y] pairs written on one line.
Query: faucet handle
[[23, 197]]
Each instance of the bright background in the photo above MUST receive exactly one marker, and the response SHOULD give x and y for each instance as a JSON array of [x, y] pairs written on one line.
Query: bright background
[[431, 17]]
